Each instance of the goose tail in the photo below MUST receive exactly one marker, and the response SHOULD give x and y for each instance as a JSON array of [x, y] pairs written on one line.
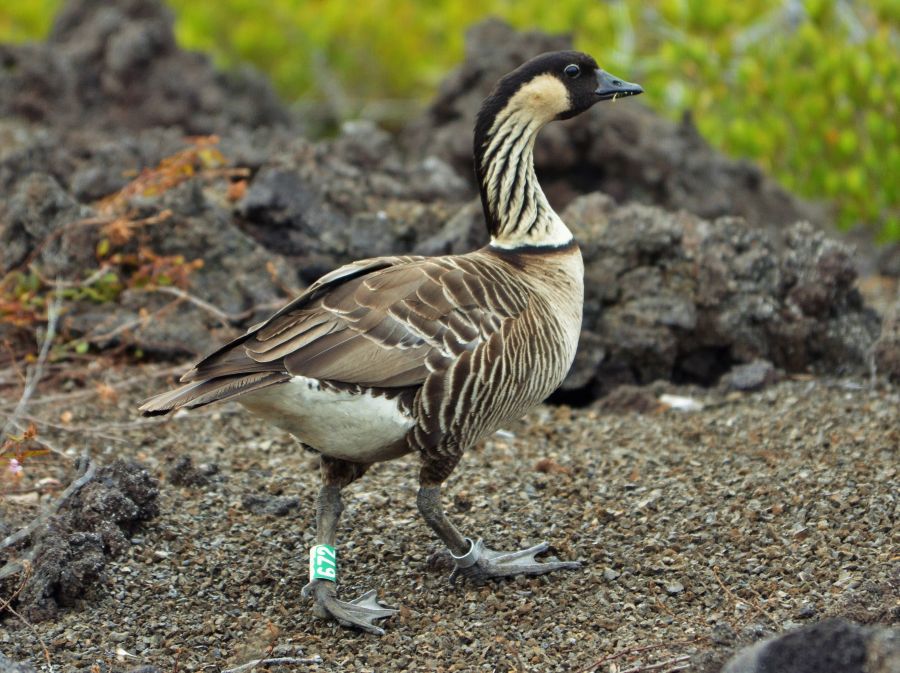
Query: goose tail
[[201, 393]]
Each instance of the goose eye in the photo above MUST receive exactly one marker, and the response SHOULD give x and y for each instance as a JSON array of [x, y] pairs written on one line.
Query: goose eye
[[572, 70]]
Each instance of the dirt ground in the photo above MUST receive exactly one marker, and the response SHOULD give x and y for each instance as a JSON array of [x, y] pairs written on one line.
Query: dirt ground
[[699, 531]]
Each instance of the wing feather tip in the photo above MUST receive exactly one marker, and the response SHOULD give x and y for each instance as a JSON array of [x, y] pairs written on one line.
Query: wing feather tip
[[154, 412], [190, 375]]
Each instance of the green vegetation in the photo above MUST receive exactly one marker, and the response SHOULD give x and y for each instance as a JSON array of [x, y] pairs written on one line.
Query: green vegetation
[[810, 90], [26, 296]]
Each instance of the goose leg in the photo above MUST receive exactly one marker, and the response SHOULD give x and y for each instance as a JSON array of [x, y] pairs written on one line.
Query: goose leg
[[474, 561], [362, 612]]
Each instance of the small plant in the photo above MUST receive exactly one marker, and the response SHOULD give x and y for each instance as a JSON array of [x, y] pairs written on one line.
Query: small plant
[[121, 264], [15, 451], [202, 157]]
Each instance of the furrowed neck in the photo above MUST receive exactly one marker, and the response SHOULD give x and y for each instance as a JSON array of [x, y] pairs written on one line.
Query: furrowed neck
[[515, 207]]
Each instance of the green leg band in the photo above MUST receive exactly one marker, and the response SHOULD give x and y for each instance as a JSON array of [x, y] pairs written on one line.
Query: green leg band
[[323, 563]]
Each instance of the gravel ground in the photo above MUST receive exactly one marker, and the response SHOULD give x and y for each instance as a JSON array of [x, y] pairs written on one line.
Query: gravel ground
[[699, 531]]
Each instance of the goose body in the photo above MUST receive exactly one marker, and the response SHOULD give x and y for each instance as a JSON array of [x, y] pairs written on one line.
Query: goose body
[[365, 423], [453, 352], [392, 355]]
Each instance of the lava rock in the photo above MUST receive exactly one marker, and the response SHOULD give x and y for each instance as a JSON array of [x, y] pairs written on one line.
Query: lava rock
[[754, 375], [35, 218], [886, 352], [184, 473], [273, 505], [464, 232], [117, 65], [831, 646], [674, 297], [47, 219], [629, 399], [72, 550], [589, 356], [888, 260]]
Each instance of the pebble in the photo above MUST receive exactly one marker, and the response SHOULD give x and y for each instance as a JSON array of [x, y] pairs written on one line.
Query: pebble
[[673, 588], [750, 377]]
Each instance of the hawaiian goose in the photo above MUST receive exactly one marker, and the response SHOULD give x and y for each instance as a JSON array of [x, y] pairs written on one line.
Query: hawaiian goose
[[428, 354]]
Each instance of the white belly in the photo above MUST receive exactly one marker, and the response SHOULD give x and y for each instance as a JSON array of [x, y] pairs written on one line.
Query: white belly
[[356, 427]]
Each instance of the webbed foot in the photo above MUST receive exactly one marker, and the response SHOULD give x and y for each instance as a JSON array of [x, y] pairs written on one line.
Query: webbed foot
[[359, 613], [480, 564]]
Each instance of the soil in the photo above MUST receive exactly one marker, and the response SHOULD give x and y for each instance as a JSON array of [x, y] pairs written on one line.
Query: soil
[[699, 531]]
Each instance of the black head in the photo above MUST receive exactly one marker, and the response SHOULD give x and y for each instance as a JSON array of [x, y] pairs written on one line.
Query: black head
[[558, 85], [585, 82]]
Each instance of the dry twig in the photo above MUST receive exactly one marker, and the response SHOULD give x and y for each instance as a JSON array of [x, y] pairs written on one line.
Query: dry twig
[[678, 664], [662, 606], [106, 337], [69, 284], [752, 604], [159, 218], [277, 661], [638, 650], [34, 373], [92, 430], [36, 635], [25, 576], [227, 319], [119, 385]]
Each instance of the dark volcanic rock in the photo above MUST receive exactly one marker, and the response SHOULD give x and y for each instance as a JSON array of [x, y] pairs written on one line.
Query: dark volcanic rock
[[888, 260], [88, 163], [116, 65], [274, 505], [184, 473], [887, 348], [51, 221], [751, 376], [622, 149], [831, 646], [71, 551], [352, 197], [464, 232], [671, 296], [37, 212], [627, 399]]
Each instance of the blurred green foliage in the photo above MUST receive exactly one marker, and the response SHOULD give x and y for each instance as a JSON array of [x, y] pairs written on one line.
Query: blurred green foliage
[[809, 89]]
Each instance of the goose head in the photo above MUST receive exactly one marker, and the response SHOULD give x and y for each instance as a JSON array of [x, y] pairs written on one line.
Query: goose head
[[554, 85]]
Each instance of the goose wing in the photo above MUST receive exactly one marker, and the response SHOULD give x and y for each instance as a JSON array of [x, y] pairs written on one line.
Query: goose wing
[[384, 323]]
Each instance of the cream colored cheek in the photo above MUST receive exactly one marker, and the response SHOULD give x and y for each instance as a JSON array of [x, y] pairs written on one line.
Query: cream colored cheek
[[546, 102], [545, 97]]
